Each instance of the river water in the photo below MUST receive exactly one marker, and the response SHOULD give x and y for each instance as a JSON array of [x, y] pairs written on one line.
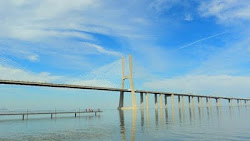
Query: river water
[[214, 123]]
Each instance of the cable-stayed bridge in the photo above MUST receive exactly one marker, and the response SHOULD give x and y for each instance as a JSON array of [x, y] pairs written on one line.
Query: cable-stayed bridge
[[110, 77]]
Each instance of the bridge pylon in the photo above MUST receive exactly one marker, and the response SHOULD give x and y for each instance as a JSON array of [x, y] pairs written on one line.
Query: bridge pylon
[[130, 77]]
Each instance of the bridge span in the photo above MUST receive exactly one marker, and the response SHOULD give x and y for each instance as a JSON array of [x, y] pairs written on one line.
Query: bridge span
[[161, 94], [132, 90]]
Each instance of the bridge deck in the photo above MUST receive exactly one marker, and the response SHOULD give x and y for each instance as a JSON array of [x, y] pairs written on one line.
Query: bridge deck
[[46, 113], [26, 83], [23, 114]]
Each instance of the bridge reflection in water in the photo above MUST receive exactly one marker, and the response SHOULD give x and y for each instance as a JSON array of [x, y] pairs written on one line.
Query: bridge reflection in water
[[164, 118]]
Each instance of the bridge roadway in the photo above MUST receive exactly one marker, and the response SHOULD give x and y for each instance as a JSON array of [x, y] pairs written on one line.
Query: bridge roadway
[[41, 84], [48, 113]]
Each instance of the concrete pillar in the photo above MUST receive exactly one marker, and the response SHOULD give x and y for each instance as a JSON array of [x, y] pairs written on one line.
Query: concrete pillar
[[189, 101], [201, 101], [172, 107], [179, 101], [217, 102], [132, 83], [122, 85], [156, 103], [230, 102], [207, 103], [172, 100], [121, 100], [210, 102], [166, 101], [146, 100], [141, 96], [161, 101], [238, 102], [198, 99], [182, 101], [193, 101], [183, 107]]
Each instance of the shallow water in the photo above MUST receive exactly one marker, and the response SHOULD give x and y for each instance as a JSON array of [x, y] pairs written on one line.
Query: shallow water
[[215, 123]]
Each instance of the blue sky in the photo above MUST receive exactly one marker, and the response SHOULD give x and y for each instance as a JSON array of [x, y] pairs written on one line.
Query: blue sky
[[180, 46]]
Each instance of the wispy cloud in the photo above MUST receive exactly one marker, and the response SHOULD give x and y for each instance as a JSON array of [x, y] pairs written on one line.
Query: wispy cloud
[[188, 17], [200, 40], [226, 11], [102, 50], [10, 73]]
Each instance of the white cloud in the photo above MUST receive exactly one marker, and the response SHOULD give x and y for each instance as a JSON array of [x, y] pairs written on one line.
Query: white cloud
[[39, 19], [163, 5], [226, 10], [33, 58], [60, 27], [31, 33], [10, 73], [188, 17], [102, 50], [220, 85]]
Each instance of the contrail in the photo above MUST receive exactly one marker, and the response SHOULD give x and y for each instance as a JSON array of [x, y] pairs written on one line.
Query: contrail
[[202, 40]]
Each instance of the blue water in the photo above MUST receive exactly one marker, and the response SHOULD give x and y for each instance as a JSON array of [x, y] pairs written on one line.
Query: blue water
[[216, 123]]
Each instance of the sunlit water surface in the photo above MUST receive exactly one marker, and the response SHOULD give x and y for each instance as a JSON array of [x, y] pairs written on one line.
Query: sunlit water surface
[[216, 123]]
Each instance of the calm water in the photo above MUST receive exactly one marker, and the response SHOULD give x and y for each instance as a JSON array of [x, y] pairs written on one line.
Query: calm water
[[214, 123]]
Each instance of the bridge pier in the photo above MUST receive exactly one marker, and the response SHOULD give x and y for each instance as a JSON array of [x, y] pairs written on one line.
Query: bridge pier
[[172, 100], [156, 102], [217, 102], [198, 99], [230, 102], [121, 102], [141, 96], [146, 97], [131, 81], [179, 101], [210, 102], [166, 101], [182, 101], [207, 104], [201, 101], [161, 101], [189, 101], [193, 102]]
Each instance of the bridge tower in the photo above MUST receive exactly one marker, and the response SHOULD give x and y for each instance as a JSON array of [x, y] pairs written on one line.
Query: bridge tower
[[130, 77]]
